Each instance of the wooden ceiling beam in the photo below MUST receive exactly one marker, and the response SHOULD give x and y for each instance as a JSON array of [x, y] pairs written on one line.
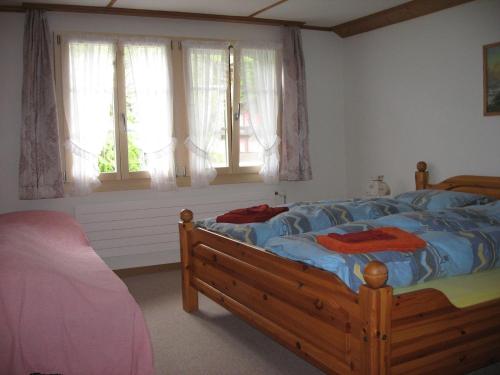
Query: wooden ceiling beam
[[317, 28], [400, 13], [12, 8], [160, 14], [267, 8], [411, 9]]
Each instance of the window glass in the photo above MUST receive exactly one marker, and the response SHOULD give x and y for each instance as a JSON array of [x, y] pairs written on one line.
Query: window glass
[[91, 102], [208, 94], [250, 148], [148, 114]]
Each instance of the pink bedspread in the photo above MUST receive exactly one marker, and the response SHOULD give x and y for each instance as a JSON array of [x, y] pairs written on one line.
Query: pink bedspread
[[61, 308]]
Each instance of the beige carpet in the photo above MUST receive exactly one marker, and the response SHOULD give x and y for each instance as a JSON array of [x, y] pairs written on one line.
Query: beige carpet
[[211, 341]]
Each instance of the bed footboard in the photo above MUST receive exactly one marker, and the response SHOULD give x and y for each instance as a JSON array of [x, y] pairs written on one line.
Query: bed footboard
[[308, 310]]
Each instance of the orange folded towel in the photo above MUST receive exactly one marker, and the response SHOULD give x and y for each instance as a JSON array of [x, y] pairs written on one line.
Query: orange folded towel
[[373, 240]]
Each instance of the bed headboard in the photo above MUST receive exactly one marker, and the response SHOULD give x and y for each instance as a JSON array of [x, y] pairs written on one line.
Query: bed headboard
[[486, 185]]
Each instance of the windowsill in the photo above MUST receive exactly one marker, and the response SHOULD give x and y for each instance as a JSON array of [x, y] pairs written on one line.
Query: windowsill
[[144, 183]]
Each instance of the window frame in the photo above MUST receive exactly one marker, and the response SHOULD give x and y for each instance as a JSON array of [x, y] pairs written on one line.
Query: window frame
[[123, 179]]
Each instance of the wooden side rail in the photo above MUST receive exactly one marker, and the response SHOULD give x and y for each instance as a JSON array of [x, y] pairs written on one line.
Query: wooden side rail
[[430, 335]]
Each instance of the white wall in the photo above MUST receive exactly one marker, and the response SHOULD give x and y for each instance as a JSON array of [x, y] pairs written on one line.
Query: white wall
[[323, 53], [325, 84], [413, 91]]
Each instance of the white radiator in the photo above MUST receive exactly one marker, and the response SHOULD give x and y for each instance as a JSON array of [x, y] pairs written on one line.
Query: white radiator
[[139, 233]]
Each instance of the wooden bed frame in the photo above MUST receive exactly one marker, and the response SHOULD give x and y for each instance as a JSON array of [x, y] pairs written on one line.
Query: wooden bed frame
[[315, 315]]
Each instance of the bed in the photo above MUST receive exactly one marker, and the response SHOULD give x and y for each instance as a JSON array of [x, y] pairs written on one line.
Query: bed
[[62, 310], [317, 316]]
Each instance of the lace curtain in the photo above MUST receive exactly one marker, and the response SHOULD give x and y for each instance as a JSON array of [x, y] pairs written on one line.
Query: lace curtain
[[148, 74], [205, 69], [89, 107], [259, 82]]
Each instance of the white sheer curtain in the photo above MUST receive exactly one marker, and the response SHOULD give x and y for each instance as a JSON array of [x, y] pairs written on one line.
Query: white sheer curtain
[[205, 69], [88, 104], [149, 89], [259, 81]]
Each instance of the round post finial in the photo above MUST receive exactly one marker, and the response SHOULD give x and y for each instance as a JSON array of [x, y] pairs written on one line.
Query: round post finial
[[375, 274], [186, 215], [421, 166]]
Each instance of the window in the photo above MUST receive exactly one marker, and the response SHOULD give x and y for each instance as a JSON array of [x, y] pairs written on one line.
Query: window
[[90, 107], [206, 86], [259, 83], [125, 98]]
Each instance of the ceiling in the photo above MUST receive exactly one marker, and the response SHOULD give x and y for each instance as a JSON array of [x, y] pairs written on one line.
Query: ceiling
[[314, 12]]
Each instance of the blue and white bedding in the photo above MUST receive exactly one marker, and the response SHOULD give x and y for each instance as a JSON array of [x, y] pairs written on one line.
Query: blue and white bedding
[[459, 241], [305, 217], [435, 200]]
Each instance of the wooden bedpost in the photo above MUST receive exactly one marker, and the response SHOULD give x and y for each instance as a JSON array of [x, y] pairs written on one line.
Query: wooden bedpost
[[189, 294], [421, 175], [375, 300]]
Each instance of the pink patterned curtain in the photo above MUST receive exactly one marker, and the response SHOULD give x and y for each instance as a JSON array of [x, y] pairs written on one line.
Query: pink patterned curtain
[[40, 173], [295, 164]]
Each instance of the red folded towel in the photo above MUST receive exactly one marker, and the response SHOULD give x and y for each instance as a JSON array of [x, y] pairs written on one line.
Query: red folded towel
[[367, 235], [255, 214], [373, 240]]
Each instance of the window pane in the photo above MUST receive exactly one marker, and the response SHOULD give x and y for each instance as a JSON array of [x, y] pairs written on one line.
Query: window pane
[[136, 160], [206, 89], [148, 103], [250, 149], [219, 151], [107, 157], [91, 97]]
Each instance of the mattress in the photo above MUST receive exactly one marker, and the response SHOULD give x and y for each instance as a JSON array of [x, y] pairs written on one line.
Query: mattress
[[465, 290]]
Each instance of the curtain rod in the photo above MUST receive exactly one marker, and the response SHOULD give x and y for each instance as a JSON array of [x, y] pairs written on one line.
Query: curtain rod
[[159, 14]]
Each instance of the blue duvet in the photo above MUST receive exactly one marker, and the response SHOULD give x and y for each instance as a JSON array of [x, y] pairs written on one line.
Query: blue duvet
[[308, 216], [459, 241]]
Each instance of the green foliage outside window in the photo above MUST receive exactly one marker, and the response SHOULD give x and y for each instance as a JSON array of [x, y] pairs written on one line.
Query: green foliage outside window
[[134, 155], [107, 158]]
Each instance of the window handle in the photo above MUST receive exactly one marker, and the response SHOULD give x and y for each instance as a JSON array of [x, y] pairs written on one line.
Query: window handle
[[237, 113], [124, 123]]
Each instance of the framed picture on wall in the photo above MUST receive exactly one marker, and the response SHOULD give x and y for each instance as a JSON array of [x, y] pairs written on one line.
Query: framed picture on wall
[[491, 79]]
